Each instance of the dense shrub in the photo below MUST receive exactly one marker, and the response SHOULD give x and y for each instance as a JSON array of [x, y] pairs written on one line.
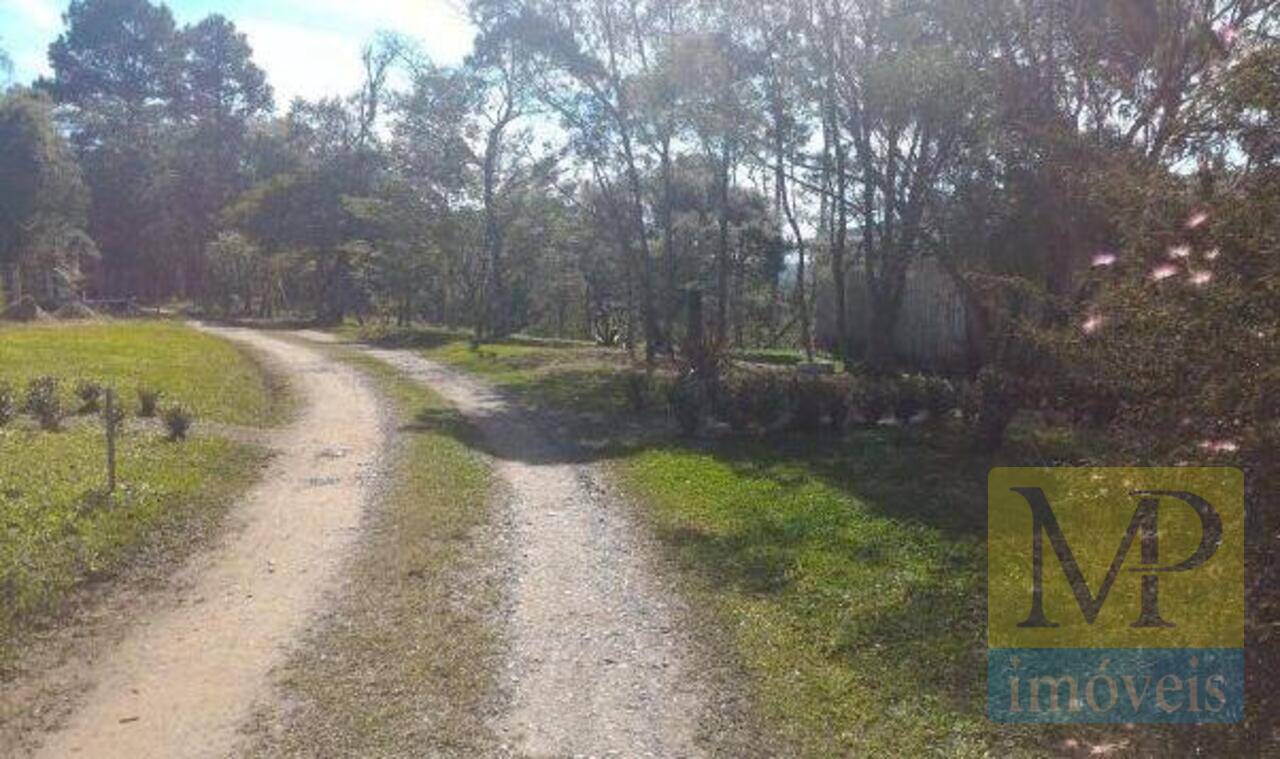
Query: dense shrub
[[44, 402], [643, 390], [689, 400], [839, 401], [90, 395], [806, 404], [8, 404], [148, 402], [939, 397], [177, 420], [989, 404], [748, 399], [872, 398], [910, 392]]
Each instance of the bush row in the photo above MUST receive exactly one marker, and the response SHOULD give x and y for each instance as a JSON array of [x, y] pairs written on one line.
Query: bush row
[[43, 401], [753, 401]]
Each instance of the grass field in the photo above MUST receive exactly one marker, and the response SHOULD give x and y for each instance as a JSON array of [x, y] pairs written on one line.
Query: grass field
[[416, 611], [212, 377], [60, 530], [852, 571]]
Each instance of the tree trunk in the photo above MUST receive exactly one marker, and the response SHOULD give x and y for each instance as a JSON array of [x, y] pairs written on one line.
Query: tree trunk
[[722, 247]]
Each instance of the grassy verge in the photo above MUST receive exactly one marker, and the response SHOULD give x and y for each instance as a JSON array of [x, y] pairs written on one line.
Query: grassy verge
[[551, 373], [850, 571], [405, 664], [58, 528], [852, 576], [209, 375]]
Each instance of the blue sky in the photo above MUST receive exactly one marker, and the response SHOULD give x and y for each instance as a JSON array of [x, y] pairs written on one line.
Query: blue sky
[[308, 48]]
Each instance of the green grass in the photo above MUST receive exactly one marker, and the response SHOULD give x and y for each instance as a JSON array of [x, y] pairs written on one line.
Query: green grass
[[552, 373], [58, 529], [218, 381], [61, 531], [852, 575], [407, 666], [850, 572]]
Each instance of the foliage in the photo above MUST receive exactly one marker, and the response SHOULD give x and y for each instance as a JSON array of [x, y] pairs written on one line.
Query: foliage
[[689, 399], [44, 402], [644, 390], [752, 399], [8, 404], [990, 403], [148, 401], [43, 205], [872, 398], [177, 421], [806, 405], [90, 394]]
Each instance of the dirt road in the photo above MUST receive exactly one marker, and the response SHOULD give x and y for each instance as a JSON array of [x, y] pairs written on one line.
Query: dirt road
[[182, 682], [599, 662]]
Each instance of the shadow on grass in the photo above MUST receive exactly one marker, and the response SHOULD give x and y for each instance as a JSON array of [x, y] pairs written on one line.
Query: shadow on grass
[[884, 580]]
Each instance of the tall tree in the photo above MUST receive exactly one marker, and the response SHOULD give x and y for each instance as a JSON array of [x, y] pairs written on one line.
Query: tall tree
[[6, 64], [43, 203], [221, 92], [116, 69]]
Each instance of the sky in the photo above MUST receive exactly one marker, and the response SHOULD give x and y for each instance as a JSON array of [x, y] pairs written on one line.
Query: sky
[[309, 48]]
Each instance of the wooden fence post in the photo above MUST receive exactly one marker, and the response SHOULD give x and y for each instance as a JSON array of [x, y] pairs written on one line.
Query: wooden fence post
[[111, 423]]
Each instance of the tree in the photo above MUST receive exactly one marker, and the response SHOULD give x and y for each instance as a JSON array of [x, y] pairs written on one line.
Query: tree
[[220, 94], [43, 204], [116, 69], [6, 64], [594, 51]]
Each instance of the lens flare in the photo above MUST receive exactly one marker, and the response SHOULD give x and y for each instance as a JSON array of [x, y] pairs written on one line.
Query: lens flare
[[1198, 219], [1220, 446]]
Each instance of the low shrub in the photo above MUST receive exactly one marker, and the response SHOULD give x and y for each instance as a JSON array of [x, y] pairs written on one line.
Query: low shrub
[[689, 400], [8, 404], [838, 401], [939, 397], [640, 387], [90, 395], [148, 402], [177, 420], [872, 398], [909, 397], [806, 405], [44, 402], [751, 399], [989, 404]]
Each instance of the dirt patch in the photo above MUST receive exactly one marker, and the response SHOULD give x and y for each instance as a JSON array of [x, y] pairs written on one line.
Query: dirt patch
[[183, 679], [406, 658]]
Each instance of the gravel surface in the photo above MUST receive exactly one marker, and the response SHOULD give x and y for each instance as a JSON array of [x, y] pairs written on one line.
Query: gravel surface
[[601, 662], [184, 679]]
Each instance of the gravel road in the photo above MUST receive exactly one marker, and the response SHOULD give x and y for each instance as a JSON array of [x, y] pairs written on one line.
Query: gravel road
[[182, 681], [600, 664]]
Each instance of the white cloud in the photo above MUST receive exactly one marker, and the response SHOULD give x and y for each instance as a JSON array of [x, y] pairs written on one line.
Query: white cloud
[[304, 62], [311, 48], [40, 15]]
